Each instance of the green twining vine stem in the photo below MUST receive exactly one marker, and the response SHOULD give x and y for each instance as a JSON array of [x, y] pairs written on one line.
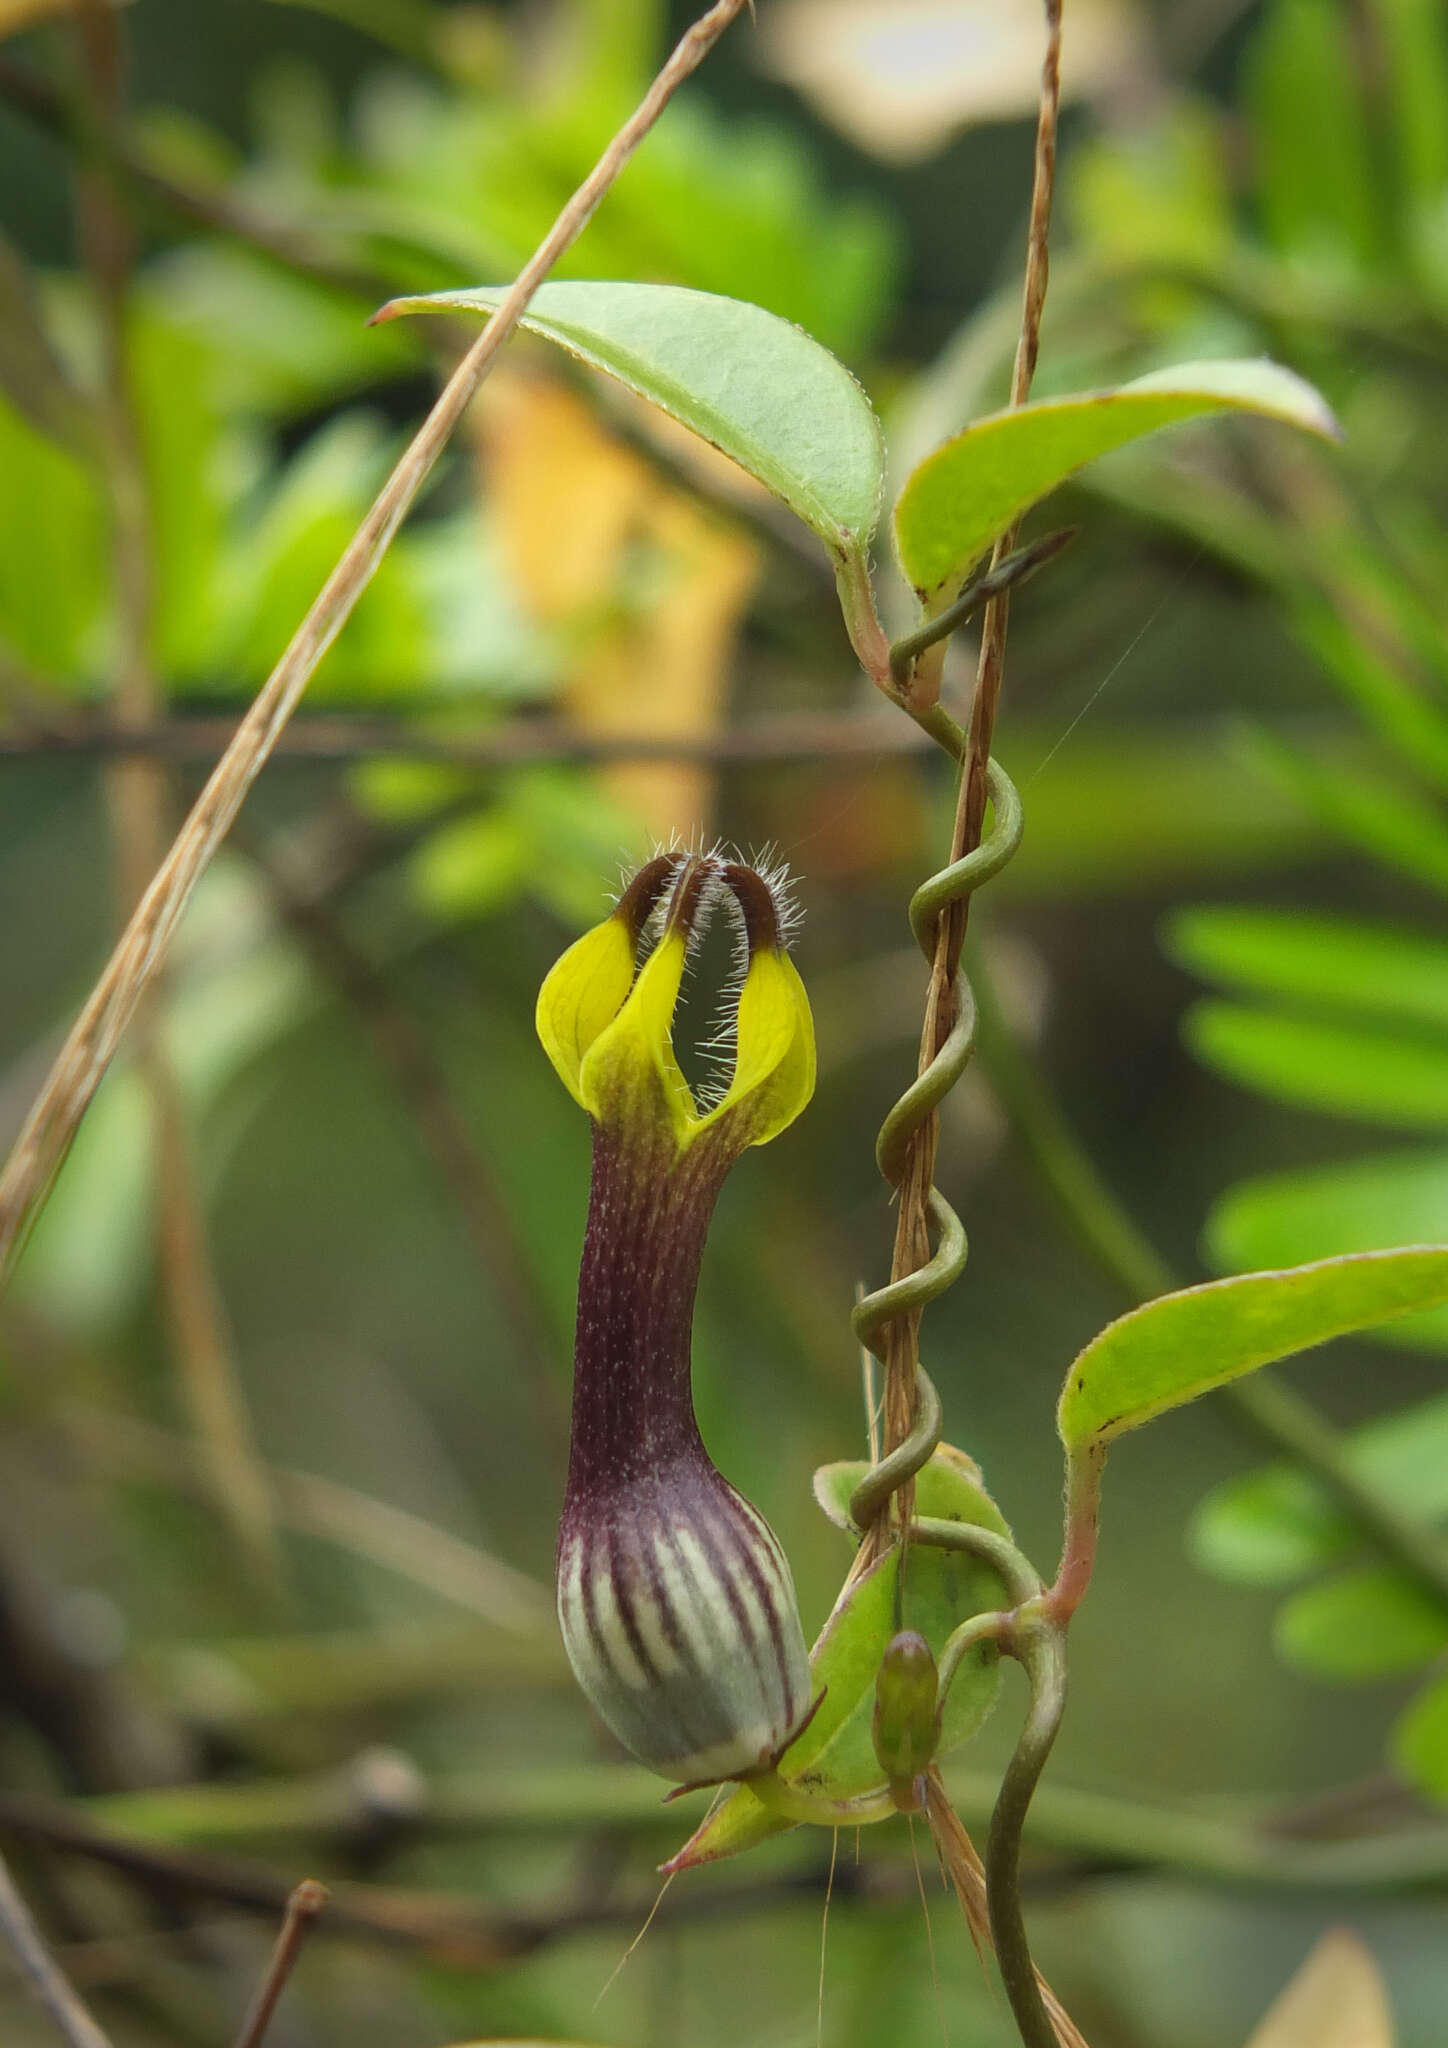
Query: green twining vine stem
[[932, 901], [1028, 1630], [999, 577]]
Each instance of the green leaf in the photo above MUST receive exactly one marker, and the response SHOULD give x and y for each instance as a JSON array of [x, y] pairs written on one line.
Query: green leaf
[[1419, 1741], [835, 1756], [1315, 174], [1271, 1527], [472, 866], [1363, 1624], [53, 575], [286, 551], [1384, 692], [1413, 42], [1342, 1069], [967, 493], [1335, 961], [836, 1753], [1357, 1205], [949, 1488], [1386, 819], [1158, 191], [1182, 1345], [759, 389], [1274, 1525], [292, 345], [172, 373]]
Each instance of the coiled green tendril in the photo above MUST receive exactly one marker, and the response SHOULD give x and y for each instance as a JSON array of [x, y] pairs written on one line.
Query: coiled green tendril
[[873, 1315]]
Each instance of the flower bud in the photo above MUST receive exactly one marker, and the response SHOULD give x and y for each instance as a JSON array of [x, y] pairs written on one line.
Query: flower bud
[[906, 1725], [675, 1600]]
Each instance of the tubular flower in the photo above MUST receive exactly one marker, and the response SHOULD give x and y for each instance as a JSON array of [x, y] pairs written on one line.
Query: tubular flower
[[675, 1599]]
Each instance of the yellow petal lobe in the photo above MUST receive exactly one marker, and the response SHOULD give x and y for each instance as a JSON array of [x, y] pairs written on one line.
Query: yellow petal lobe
[[774, 1071], [630, 1077], [581, 996]]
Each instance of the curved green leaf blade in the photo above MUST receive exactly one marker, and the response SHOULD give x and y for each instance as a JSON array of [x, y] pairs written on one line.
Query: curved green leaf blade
[[1354, 1205], [1173, 1349], [1364, 1624], [1389, 820], [1346, 1070], [1274, 1525], [964, 495], [758, 388], [1419, 1741], [1339, 962]]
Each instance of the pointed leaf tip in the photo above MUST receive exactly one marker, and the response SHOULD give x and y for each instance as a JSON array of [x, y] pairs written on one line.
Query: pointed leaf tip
[[759, 388], [1171, 1350], [967, 493]]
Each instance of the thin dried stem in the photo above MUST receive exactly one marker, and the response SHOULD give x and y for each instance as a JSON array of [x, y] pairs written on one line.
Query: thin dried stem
[[450, 1927], [446, 1565], [306, 1902], [197, 1326], [42, 1973], [960, 1860], [912, 1237], [786, 737], [92, 1042], [1039, 2018], [990, 670], [139, 791]]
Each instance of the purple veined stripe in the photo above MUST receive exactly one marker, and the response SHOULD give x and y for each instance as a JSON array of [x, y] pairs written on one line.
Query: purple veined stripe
[[700, 1597], [584, 1639], [648, 1552], [769, 1546], [773, 1697], [622, 1580], [643, 1565], [588, 1582], [769, 1595], [625, 1571]]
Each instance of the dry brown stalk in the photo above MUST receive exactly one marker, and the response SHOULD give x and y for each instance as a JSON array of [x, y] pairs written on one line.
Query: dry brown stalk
[[305, 1904], [418, 1076], [450, 1927], [448, 1566], [785, 737], [139, 791], [912, 1236], [955, 1848], [92, 1042]]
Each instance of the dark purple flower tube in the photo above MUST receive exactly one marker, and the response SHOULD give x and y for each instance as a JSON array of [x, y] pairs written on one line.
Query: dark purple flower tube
[[675, 1600]]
